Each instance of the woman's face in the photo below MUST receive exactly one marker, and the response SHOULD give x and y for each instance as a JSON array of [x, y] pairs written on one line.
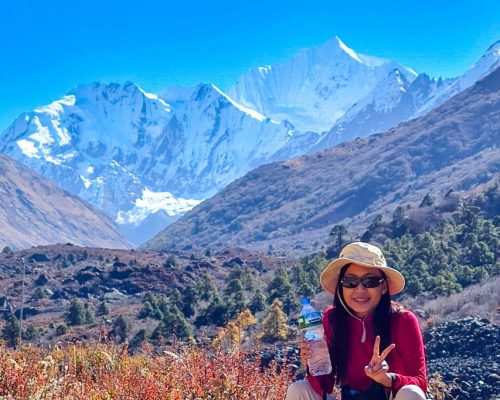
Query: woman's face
[[360, 299]]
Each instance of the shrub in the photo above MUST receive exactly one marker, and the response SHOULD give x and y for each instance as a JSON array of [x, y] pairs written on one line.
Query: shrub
[[439, 389], [107, 371], [61, 329], [75, 315], [10, 331]]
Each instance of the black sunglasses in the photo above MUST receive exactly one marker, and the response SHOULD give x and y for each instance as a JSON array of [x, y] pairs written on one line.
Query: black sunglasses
[[350, 282]]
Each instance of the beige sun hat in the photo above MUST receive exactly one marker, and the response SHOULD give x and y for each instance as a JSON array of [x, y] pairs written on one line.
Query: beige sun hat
[[364, 254]]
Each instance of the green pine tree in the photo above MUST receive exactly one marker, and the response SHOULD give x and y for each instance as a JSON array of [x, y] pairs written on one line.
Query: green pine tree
[[103, 308], [10, 332], [75, 315], [258, 302], [120, 329], [280, 286]]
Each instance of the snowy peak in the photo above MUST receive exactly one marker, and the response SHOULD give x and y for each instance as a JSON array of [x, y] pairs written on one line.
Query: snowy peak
[[335, 49], [396, 79], [176, 95], [400, 96], [347, 50], [387, 93], [390, 102], [316, 87], [493, 50], [332, 49], [489, 61], [97, 118], [116, 94], [58, 106]]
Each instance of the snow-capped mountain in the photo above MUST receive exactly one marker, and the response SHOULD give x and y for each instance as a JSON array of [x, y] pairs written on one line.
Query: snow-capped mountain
[[213, 141], [88, 139], [343, 94], [132, 154], [395, 99], [488, 62], [390, 102], [315, 88], [146, 159]]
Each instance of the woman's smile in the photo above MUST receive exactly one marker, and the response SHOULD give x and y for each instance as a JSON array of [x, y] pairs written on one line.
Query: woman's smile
[[360, 299]]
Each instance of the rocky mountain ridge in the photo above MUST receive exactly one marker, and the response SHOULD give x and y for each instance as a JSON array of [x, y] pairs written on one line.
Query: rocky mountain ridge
[[145, 159], [316, 87], [125, 150], [292, 204]]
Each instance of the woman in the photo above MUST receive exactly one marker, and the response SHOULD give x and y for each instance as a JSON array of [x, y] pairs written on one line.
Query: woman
[[361, 322]]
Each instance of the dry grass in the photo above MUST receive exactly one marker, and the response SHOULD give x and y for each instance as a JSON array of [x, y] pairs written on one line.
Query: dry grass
[[439, 389], [106, 371], [482, 299]]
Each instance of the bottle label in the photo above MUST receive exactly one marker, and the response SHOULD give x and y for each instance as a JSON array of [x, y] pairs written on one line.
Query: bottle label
[[309, 319]]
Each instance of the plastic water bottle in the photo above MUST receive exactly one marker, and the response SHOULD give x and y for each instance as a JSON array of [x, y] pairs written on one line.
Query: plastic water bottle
[[312, 330]]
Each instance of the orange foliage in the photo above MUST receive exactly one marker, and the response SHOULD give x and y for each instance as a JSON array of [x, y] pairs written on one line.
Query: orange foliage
[[106, 371]]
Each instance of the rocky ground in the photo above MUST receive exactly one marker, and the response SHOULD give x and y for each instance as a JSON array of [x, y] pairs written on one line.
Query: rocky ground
[[466, 352]]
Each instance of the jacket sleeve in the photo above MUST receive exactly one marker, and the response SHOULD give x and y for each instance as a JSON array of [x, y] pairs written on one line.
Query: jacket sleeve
[[411, 346], [324, 383]]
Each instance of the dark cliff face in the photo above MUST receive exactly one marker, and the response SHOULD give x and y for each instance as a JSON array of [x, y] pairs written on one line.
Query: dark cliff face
[[35, 211], [294, 203]]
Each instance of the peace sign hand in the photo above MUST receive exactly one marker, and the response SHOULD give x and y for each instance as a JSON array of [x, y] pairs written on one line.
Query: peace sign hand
[[377, 369]]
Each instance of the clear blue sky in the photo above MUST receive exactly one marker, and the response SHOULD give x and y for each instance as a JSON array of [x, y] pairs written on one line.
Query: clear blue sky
[[48, 47]]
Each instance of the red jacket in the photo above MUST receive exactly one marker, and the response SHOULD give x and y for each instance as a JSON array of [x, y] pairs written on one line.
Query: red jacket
[[407, 360]]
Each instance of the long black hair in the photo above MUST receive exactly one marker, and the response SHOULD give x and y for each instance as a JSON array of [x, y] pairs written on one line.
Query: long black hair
[[340, 325]]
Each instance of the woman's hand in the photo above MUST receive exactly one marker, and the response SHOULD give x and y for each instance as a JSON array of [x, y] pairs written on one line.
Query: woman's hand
[[378, 369]]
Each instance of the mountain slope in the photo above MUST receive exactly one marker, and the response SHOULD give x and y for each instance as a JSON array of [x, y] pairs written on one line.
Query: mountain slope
[[488, 62], [34, 211], [335, 91], [396, 100], [294, 203], [124, 150], [316, 87], [145, 161]]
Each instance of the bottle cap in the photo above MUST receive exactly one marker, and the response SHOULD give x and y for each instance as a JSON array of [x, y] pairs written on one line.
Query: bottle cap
[[305, 301]]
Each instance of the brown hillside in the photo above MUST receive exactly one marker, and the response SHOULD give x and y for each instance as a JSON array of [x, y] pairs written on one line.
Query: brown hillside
[[35, 211]]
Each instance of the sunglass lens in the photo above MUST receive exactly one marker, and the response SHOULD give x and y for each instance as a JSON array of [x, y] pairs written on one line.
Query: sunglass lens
[[371, 282], [350, 282]]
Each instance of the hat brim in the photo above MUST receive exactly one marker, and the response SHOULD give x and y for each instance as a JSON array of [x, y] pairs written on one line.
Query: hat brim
[[330, 275]]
